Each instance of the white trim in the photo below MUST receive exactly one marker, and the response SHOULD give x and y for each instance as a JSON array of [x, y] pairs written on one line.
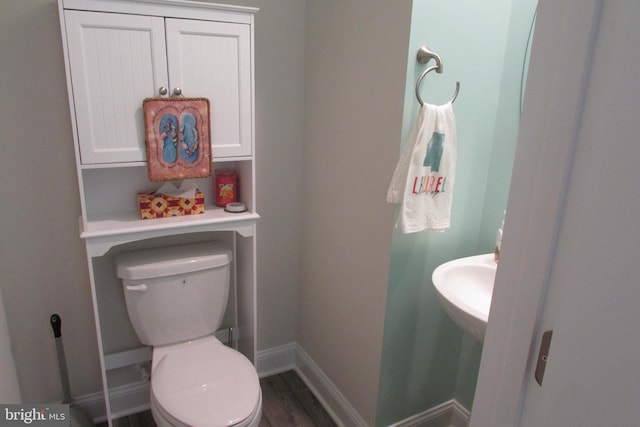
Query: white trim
[[276, 360], [128, 358], [182, 8], [326, 392], [447, 414], [559, 65], [135, 396]]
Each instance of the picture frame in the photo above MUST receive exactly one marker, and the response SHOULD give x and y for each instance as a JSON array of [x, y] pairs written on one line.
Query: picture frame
[[177, 138]]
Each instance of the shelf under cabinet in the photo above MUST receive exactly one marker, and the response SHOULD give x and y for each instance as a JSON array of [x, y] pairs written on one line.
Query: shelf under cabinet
[[105, 231], [215, 161]]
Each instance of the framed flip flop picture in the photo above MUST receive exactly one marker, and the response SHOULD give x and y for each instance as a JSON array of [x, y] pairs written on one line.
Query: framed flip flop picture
[[178, 138]]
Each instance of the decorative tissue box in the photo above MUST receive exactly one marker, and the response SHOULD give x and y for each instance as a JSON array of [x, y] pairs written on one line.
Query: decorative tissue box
[[154, 205]]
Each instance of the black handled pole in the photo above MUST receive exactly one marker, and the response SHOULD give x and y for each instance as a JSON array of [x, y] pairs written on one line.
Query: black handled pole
[[56, 325]]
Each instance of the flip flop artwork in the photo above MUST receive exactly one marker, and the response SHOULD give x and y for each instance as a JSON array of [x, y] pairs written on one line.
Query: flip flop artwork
[[177, 137]]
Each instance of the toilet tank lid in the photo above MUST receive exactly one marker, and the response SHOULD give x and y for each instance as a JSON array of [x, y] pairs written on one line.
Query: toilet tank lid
[[171, 260]]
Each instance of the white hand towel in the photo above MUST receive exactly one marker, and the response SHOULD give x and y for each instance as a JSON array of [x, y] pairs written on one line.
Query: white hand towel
[[423, 179]]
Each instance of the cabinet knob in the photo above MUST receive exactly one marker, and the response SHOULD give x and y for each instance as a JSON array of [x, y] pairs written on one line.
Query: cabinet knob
[[177, 91], [163, 90]]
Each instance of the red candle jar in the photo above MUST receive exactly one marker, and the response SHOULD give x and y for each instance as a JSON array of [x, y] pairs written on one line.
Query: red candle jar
[[226, 186]]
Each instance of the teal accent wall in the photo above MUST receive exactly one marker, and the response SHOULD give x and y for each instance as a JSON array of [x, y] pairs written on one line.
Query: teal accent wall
[[426, 358]]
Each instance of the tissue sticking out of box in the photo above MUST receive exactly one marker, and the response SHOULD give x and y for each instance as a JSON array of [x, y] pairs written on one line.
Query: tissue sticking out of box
[[186, 190], [171, 201]]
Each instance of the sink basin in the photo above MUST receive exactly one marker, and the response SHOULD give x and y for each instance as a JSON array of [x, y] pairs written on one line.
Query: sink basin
[[464, 288]]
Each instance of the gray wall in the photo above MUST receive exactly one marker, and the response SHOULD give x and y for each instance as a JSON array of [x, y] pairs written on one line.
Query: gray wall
[[279, 139], [354, 90], [42, 258], [329, 87]]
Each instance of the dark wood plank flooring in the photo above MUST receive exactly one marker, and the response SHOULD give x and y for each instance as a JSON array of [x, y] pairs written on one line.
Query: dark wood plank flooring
[[286, 402]]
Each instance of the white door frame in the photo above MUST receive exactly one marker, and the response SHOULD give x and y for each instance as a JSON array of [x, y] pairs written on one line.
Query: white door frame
[[558, 71]]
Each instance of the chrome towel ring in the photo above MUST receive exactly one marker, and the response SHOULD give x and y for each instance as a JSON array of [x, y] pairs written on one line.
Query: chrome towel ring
[[424, 56]]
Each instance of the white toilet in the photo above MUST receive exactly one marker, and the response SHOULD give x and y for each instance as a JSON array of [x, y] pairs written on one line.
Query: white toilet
[[176, 298]]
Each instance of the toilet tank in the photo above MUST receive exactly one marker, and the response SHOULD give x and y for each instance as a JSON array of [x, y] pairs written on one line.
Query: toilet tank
[[175, 293]]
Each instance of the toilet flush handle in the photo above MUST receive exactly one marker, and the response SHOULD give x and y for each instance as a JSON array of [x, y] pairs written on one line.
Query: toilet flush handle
[[137, 288]]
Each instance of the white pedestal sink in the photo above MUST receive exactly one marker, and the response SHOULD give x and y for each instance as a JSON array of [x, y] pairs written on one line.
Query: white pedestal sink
[[465, 286]]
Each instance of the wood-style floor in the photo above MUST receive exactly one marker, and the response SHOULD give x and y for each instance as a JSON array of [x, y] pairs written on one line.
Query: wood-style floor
[[286, 402]]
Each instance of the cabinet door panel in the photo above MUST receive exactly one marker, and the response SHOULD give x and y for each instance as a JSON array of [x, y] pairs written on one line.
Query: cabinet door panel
[[213, 60], [116, 61]]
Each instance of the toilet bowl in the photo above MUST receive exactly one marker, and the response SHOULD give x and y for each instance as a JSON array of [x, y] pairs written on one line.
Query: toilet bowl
[[204, 383], [176, 298]]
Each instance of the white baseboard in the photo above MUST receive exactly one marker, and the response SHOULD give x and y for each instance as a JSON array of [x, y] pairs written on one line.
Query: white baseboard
[[125, 400], [132, 398], [276, 360], [460, 416], [326, 392], [291, 356], [92, 405], [447, 414]]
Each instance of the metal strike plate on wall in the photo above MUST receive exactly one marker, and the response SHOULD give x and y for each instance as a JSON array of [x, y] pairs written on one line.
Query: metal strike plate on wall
[[543, 356]]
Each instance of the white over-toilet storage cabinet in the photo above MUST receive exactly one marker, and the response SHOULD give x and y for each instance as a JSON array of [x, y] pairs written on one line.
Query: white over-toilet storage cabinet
[[117, 53]]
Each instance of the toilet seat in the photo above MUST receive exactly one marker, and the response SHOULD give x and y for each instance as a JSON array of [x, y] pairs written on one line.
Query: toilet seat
[[163, 419], [204, 383]]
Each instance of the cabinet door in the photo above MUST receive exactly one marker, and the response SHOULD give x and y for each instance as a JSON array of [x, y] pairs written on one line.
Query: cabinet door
[[213, 60], [116, 61]]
